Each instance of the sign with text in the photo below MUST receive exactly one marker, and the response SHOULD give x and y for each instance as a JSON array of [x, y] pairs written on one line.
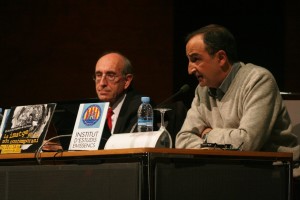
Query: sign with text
[[89, 126]]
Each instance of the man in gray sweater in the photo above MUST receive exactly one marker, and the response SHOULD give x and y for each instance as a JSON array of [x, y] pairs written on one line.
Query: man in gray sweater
[[234, 103]]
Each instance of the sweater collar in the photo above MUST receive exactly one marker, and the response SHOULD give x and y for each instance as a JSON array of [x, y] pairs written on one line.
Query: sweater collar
[[219, 92]]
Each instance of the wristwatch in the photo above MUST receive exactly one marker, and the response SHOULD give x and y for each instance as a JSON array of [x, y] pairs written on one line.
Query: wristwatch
[[204, 137]]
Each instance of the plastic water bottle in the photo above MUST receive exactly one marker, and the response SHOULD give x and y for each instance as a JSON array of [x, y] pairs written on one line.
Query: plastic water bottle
[[145, 116]]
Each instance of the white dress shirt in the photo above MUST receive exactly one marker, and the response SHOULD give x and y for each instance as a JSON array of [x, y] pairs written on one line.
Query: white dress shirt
[[116, 111]]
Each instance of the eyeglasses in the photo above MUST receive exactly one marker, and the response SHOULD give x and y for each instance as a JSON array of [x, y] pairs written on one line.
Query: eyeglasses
[[108, 76]]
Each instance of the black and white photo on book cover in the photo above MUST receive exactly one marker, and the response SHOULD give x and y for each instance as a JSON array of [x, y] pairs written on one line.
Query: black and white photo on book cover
[[26, 128]]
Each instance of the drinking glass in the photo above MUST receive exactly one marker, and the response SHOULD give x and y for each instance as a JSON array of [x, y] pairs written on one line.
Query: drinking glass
[[167, 139]]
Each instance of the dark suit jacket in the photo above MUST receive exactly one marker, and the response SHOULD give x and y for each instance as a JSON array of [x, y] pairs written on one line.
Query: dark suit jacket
[[128, 113], [127, 117]]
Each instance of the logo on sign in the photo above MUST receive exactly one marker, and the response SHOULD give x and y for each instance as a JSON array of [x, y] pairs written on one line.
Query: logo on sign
[[91, 115]]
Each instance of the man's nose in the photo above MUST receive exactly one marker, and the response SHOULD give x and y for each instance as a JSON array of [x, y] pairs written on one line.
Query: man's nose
[[191, 69], [103, 81]]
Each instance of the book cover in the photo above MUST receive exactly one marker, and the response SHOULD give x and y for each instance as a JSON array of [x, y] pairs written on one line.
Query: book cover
[[26, 127], [89, 126], [4, 120]]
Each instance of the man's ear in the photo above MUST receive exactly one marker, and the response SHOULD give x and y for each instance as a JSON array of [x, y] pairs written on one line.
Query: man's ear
[[222, 56], [128, 79]]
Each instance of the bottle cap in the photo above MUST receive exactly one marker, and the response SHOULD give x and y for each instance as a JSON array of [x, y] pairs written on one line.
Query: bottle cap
[[145, 99]]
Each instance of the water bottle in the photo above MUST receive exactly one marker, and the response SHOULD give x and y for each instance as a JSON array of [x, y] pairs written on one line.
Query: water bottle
[[145, 116]]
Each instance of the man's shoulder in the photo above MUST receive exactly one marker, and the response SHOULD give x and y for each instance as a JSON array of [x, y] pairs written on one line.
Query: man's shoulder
[[133, 97], [132, 94], [253, 67], [250, 69]]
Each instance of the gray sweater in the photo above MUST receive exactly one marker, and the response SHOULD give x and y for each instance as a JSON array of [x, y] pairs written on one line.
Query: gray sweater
[[250, 112]]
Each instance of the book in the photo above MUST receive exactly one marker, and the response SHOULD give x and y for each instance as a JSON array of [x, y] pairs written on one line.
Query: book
[[25, 128], [4, 119], [89, 126]]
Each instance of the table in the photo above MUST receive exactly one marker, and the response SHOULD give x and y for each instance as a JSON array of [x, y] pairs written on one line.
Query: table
[[146, 173]]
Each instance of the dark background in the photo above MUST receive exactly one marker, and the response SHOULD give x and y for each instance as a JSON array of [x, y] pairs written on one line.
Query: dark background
[[49, 48]]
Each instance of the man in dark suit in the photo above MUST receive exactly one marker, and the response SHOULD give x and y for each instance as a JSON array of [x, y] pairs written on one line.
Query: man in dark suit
[[113, 81]]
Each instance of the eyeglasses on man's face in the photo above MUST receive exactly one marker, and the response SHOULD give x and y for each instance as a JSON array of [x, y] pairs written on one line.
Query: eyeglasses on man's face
[[110, 76]]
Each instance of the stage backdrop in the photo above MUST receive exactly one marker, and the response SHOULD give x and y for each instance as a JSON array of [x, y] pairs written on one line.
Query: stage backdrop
[[48, 49]]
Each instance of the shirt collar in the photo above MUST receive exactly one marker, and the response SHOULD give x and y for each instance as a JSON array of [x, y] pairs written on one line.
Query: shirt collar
[[220, 91], [116, 111]]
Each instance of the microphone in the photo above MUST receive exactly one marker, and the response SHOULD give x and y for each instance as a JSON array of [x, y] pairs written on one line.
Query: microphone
[[182, 90]]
